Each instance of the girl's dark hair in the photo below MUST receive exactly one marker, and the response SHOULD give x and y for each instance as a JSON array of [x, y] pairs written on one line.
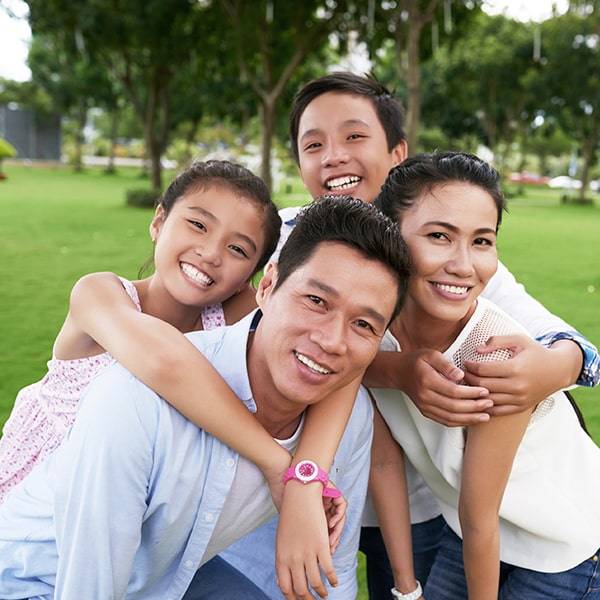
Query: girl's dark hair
[[389, 110], [201, 175], [354, 223], [419, 174]]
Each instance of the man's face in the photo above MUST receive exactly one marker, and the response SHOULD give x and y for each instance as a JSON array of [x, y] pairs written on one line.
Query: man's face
[[342, 147], [322, 327]]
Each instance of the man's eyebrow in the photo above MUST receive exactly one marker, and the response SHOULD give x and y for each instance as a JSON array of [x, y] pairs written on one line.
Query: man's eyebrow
[[347, 123], [367, 310]]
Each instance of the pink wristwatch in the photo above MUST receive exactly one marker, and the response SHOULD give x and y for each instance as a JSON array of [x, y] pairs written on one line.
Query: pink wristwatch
[[308, 471]]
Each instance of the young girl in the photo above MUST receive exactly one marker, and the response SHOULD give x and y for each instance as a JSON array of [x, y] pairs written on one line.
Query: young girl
[[519, 493]]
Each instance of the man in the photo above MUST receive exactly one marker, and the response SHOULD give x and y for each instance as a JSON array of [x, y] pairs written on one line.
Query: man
[[138, 497]]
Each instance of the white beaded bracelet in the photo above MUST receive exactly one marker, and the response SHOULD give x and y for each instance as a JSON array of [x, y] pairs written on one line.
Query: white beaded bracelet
[[412, 596]]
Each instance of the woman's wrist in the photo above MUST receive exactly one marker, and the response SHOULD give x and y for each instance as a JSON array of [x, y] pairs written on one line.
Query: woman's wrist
[[416, 593]]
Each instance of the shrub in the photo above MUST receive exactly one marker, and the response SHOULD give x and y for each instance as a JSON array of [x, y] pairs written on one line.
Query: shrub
[[141, 197]]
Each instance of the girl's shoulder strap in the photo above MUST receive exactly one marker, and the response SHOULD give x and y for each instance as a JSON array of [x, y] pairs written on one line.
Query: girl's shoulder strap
[[132, 292]]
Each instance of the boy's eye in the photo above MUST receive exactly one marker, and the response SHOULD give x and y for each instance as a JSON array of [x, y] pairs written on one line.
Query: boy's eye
[[356, 136], [238, 250]]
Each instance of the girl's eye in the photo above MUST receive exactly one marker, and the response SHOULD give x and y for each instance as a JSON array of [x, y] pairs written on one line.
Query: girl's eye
[[198, 225], [312, 146]]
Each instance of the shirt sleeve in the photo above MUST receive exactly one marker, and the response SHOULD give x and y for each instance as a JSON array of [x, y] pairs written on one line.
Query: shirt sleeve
[[101, 488], [511, 296]]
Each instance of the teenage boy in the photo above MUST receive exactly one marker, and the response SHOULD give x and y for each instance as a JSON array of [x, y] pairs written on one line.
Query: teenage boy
[[137, 497], [346, 132]]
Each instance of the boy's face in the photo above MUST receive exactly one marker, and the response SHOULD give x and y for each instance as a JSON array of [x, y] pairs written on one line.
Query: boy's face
[[342, 147]]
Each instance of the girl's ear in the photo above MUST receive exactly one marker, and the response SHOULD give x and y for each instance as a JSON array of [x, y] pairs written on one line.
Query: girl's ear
[[156, 225], [266, 284]]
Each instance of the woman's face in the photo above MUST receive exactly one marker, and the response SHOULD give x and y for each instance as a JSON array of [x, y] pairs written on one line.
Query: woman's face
[[451, 234]]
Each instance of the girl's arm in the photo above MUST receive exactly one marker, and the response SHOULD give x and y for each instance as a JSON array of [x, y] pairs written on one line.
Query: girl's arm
[[389, 492], [489, 454], [303, 544], [162, 358]]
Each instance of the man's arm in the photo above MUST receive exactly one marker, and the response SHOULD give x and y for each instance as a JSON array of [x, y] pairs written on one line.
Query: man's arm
[[101, 488]]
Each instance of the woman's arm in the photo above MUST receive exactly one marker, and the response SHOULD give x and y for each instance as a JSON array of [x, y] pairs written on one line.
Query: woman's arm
[[489, 454], [389, 492], [161, 357]]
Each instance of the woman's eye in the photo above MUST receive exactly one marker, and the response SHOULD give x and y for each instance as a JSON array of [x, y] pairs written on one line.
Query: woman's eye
[[437, 235]]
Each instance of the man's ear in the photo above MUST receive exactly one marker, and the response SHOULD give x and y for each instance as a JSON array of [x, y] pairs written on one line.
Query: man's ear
[[266, 284], [156, 225]]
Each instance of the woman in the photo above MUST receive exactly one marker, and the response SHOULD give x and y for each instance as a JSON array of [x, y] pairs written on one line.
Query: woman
[[519, 493]]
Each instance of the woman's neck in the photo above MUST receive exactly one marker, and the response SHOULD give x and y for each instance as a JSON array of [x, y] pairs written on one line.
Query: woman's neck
[[417, 330]]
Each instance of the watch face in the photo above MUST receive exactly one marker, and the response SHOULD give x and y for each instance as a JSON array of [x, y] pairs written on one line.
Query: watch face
[[306, 470]]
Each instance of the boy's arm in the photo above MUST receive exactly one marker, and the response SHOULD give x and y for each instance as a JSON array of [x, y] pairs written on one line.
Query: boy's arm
[[162, 357]]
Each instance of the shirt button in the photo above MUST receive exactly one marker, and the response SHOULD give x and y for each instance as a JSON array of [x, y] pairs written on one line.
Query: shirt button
[[188, 564], [209, 518], [230, 462]]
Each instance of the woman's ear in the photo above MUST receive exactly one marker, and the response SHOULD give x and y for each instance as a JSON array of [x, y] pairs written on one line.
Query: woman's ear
[[266, 284], [156, 225]]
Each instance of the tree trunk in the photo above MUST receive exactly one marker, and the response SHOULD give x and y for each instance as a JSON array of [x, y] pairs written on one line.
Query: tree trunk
[[268, 127]]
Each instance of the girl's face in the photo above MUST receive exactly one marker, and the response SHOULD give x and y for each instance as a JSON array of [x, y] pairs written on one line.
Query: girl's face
[[451, 234], [208, 246]]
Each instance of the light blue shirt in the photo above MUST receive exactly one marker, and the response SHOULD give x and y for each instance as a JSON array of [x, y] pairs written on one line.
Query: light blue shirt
[[126, 506]]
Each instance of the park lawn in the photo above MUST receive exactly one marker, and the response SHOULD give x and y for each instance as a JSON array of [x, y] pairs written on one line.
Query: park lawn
[[58, 225]]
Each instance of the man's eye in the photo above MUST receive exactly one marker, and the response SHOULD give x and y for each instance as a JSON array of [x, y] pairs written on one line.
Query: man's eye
[[316, 299], [365, 325]]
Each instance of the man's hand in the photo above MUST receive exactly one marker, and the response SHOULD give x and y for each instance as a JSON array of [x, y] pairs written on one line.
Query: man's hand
[[303, 543], [533, 372]]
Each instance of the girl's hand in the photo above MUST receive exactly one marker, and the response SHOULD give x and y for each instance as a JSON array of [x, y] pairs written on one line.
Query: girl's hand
[[303, 542], [335, 512]]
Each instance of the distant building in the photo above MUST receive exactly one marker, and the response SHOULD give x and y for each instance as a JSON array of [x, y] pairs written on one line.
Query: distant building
[[36, 137]]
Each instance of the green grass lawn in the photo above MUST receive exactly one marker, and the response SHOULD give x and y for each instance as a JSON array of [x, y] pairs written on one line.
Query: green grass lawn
[[58, 225]]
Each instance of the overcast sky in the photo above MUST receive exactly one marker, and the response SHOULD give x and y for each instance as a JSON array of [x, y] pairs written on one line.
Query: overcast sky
[[15, 33]]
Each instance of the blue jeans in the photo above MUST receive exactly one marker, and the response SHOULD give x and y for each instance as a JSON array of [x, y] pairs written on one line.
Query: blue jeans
[[218, 580], [447, 578], [425, 538]]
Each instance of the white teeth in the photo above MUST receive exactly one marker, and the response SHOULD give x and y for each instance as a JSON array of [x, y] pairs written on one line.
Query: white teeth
[[452, 289], [196, 275], [311, 364], [341, 183]]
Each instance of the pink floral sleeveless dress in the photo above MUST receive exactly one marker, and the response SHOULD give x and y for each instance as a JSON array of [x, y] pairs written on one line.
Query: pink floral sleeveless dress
[[44, 411]]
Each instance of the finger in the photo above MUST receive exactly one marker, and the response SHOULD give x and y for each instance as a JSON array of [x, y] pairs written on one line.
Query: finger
[[327, 569], [335, 534]]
